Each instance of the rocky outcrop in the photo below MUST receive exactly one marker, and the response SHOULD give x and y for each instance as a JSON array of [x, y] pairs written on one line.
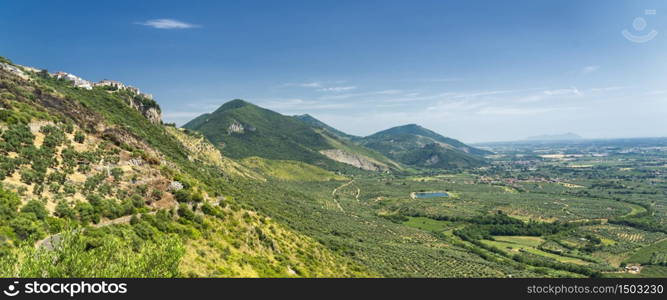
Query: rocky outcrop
[[359, 161], [148, 109], [153, 115], [14, 70], [235, 127], [434, 159]]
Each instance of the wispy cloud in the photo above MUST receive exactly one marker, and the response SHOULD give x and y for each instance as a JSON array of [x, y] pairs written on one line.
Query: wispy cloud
[[562, 92], [337, 89], [310, 84], [167, 24], [589, 69]]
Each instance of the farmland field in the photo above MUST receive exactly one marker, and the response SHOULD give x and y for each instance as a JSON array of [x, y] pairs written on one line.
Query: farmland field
[[515, 217]]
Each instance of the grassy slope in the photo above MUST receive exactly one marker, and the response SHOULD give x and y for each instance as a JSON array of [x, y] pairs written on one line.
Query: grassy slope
[[289, 170], [98, 112]]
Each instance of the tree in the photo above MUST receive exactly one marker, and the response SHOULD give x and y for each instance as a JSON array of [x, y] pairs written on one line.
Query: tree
[[87, 213], [16, 137], [9, 204], [137, 201], [36, 207], [117, 173], [25, 226], [63, 210], [79, 137]]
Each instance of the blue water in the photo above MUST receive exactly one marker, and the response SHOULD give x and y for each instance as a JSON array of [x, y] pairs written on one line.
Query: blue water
[[431, 195]]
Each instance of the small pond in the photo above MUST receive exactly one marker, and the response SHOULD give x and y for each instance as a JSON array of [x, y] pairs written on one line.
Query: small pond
[[431, 195]]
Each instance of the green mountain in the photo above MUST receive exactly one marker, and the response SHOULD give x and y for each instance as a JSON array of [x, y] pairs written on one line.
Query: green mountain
[[420, 147], [241, 129]]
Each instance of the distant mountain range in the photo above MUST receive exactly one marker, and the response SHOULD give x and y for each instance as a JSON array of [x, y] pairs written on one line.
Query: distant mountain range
[[555, 137], [241, 129]]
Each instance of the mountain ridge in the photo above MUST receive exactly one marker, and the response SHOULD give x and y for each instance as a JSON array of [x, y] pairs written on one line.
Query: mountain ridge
[[242, 129]]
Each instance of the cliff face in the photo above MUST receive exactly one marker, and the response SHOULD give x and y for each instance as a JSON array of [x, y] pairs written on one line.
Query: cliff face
[[151, 112], [359, 161], [153, 115]]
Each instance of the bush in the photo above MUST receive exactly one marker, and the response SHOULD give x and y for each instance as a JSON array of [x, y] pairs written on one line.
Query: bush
[[63, 210], [117, 173], [79, 137], [25, 226], [113, 257], [9, 204], [182, 195], [87, 213], [37, 208]]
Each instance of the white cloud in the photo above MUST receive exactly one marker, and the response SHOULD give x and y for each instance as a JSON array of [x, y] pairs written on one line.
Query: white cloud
[[167, 24], [589, 69], [337, 89], [313, 84], [310, 84], [563, 92]]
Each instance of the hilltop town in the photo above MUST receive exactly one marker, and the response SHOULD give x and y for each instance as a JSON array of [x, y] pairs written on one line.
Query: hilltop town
[[75, 80], [142, 102]]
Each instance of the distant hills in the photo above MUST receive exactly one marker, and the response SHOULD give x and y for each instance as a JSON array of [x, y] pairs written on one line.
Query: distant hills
[[555, 137], [417, 146], [241, 129]]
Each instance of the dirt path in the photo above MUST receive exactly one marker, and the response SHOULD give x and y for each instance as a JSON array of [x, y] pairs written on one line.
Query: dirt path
[[333, 194]]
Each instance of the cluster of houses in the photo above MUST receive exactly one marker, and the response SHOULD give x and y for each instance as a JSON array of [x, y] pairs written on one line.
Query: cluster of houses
[[85, 84], [511, 181], [76, 80]]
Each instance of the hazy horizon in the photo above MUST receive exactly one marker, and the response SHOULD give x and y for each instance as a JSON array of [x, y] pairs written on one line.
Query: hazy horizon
[[471, 70]]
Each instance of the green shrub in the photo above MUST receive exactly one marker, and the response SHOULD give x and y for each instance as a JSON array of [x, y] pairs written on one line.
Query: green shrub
[[37, 208]]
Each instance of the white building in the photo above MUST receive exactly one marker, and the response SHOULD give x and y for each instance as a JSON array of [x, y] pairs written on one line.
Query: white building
[[112, 83], [76, 80]]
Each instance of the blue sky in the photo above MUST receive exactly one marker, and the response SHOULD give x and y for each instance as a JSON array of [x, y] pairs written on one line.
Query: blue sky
[[473, 70]]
